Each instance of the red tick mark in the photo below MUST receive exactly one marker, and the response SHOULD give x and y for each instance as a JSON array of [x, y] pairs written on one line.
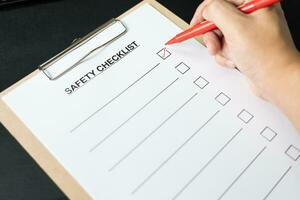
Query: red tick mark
[[165, 49]]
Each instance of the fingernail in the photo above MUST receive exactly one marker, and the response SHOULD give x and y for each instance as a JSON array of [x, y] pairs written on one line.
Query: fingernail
[[204, 13], [192, 21]]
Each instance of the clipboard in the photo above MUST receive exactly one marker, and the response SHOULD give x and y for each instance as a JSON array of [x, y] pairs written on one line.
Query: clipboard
[[26, 138]]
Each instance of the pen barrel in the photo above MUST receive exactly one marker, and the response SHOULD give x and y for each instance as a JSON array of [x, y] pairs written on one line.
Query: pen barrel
[[248, 8], [196, 30], [203, 27], [257, 4], [265, 3]]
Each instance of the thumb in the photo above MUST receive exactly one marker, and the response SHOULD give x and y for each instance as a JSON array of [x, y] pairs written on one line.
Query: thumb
[[225, 15]]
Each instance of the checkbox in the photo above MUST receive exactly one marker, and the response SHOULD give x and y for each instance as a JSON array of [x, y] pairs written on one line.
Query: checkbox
[[245, 116], [201, 82], [182, 68], [268, 134], [164, 53], [293, 152], [223, 99]]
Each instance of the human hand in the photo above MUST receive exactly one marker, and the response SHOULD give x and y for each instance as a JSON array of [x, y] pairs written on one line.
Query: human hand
[[258, 44]]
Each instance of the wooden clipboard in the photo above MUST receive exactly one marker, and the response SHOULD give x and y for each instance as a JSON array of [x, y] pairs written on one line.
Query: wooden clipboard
[[36, 149]]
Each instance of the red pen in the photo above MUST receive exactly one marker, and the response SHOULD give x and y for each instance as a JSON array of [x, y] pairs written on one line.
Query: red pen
[[207, 26]]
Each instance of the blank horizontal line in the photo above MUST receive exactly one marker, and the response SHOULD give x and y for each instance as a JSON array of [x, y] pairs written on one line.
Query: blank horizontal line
[[240, 175], [110, 101], [206, 165], [150, 134], [134, 114], [277, 183], [173, 154]]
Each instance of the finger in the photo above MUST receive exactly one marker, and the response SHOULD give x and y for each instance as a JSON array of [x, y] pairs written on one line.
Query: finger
[[221, 60], [212, 42], [237, 2], [198, 17], [225, 15]]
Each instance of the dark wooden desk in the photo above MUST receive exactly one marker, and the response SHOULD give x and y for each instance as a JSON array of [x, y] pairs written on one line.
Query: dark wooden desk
[[29, 35]]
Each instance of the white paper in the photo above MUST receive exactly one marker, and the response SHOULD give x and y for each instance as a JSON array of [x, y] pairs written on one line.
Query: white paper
[[151, 128]]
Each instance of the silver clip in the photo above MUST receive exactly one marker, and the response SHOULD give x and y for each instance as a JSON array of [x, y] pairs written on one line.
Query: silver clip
[[78, 43]]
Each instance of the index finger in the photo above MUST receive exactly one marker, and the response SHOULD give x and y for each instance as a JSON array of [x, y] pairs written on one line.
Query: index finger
[[198, 16]]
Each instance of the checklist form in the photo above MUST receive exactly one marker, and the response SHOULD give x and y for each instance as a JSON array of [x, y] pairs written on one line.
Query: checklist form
[[141, 121]]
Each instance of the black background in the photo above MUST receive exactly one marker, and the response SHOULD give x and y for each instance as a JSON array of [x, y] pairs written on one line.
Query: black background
[[33, 32]]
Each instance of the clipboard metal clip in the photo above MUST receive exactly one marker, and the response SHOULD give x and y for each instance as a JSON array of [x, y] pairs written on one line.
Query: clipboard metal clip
[[79, 42]]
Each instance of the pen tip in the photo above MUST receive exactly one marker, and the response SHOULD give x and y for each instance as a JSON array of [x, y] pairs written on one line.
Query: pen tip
[[169, 42]]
